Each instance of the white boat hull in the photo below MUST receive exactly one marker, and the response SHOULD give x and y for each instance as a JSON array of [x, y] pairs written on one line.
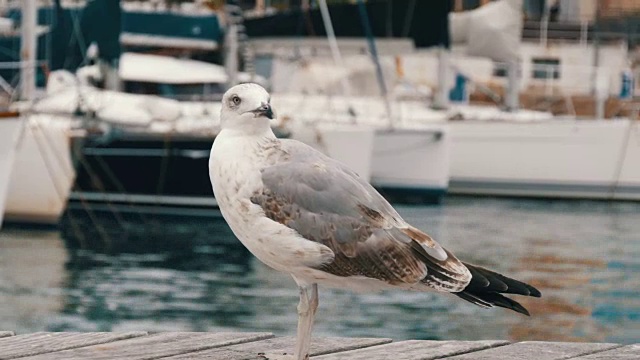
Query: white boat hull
[[411, 161], [9, 133], [42, 174], [628, 185], [593, 159], [414, 161], [350, 144]]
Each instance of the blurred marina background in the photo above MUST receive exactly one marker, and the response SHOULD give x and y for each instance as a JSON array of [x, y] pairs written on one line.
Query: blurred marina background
[[506, 129]]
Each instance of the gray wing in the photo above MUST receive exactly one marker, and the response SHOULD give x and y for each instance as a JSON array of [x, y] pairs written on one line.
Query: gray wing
[[326, 202]]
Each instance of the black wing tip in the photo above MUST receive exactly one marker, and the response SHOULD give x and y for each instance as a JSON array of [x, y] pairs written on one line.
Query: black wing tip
[[534, 292], [515, 306], [491, 299], [490, 281], [525, 290], [487, 287]]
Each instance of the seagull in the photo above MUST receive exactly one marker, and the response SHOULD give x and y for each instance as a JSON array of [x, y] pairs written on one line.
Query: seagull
[[305, 214]]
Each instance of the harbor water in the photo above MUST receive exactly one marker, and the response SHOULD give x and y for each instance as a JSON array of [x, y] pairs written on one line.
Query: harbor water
[[583, 255]]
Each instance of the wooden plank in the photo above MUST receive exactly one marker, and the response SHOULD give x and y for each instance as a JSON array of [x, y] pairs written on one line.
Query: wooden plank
[[6, 333], [629, 352], [42, 343], [415, 349], [537, 349], [280, 345], [154, 346]]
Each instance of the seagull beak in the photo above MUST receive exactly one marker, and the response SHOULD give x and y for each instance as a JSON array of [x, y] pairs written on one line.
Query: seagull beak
[[264, 110]]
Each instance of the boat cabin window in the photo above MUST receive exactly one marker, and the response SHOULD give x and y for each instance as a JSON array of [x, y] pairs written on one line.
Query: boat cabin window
[[545, 68], [500, 69]]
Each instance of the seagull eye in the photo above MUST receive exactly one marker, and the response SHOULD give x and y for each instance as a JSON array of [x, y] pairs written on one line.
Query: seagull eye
[[235, 99]]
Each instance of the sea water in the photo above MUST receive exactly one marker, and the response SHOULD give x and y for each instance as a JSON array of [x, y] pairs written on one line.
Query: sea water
[[583, 255]]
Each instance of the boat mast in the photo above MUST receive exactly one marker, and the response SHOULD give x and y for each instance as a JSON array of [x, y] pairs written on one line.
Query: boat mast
[[441, 97], [234, 19], [376, 61], [28, 50], [512, 98], [333, 44]]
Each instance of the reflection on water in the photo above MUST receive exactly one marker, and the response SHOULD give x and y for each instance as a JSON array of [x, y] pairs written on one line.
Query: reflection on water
[[31, 279], [584, 257]]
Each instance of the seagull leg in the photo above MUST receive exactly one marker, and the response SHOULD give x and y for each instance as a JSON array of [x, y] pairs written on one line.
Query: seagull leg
[[306, 315]]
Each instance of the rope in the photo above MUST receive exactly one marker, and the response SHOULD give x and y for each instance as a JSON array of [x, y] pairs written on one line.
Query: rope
[[74, 224], [111, 176], [374, 55], [77, 37], [408, 20], [45, 147]]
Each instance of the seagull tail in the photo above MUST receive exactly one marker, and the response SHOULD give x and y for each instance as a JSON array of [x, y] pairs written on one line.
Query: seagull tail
[[486, 289]]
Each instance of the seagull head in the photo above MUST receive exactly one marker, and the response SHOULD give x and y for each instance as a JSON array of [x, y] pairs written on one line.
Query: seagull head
[[246, 107]]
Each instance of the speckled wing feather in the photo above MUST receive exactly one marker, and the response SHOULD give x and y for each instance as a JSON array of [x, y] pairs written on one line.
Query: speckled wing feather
[[326, 202]]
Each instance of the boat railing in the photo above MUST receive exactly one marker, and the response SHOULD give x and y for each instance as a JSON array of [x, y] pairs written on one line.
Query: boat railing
[[9, 86], [549, 85], [551, 75]]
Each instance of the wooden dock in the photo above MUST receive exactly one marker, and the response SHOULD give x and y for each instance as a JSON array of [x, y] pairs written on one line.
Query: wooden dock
[[246, 346]]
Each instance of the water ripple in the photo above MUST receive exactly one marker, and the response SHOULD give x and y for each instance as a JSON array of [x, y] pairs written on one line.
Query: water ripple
[[584, 256]]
